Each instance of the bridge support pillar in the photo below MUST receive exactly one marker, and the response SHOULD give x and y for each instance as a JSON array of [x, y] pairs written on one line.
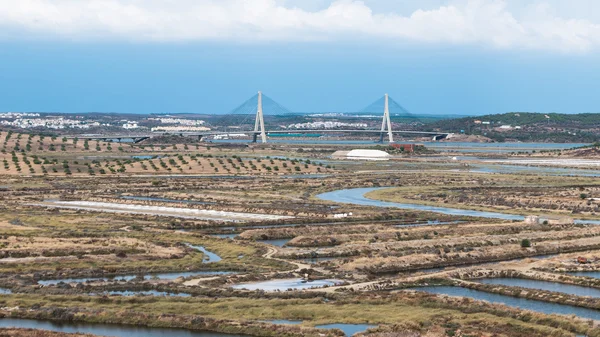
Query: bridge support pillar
[[386, 121], [259, 123], [254, 138]]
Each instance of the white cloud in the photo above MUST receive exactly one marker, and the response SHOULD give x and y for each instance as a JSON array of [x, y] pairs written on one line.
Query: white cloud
[[488, 23]]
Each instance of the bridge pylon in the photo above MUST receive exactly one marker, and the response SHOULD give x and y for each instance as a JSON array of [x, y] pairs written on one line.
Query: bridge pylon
[[259, 123], [386, 121]]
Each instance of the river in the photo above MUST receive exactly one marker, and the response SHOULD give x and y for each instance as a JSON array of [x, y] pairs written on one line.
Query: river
[[356, 196], [439, 146], [522, 303]]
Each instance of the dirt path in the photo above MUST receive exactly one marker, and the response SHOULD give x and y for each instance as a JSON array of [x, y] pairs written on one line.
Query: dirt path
[[525, 266], [197, 281], [272, 250], [299, 266]]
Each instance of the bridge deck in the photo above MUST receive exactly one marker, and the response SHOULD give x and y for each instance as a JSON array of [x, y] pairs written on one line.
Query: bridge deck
[[215, 133]]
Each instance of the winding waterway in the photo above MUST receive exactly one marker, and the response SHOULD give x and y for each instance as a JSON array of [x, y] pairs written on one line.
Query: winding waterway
[[522, 303], [544, 285], [356, 196], [209, 257]]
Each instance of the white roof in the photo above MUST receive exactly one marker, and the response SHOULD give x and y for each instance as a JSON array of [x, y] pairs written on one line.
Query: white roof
[[368, 154], [362, 155]]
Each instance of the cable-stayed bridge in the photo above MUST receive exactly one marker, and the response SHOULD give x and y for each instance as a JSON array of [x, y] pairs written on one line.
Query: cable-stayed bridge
[[249, 118]]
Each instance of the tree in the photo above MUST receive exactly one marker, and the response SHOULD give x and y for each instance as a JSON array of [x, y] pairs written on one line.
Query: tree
[[525, 243]]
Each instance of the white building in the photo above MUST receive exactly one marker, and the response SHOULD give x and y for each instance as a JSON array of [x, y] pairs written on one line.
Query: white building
[[180, 129], [130, 125], [51, 123], [326, 125], [180, 121], [229, 135]]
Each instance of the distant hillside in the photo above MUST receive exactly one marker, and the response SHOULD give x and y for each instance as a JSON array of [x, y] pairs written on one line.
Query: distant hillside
[[527, 126], [526, 119]]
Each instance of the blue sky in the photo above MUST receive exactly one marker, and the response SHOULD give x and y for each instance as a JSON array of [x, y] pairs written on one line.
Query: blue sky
[[202, 56]]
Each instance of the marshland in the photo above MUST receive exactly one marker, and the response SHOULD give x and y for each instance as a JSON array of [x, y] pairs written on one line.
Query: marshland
[[416, 245]]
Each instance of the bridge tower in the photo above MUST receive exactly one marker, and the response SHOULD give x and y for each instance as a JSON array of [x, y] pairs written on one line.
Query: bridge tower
[[259, 123], [386, 121]]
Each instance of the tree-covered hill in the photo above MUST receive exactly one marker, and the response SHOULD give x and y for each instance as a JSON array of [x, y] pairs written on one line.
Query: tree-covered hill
[[527, 127], [585, 121]]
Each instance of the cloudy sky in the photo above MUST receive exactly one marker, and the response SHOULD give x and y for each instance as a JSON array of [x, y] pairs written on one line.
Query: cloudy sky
[[433, 56]]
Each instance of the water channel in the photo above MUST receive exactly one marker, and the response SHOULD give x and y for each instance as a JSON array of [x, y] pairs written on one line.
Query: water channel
[[113, 330], [592, 274], [128, 293], [209, 257], [348, 329], [162, 276], [522, 303], [283, 285], [275, 242], [356, 196], [544, 285]]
